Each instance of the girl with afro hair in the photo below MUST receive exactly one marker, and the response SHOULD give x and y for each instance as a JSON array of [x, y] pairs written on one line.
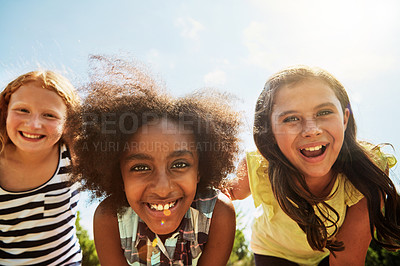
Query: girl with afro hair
[[158, 161]]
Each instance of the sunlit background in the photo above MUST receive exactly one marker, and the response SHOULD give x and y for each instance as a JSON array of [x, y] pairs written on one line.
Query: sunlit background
[[227, 44]]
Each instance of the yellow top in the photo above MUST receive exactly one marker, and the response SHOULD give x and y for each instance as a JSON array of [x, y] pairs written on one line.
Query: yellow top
[[274, 233]]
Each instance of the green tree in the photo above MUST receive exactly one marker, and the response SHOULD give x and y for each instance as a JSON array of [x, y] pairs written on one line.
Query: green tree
[[241, 255], [377, 255], [87, 245]]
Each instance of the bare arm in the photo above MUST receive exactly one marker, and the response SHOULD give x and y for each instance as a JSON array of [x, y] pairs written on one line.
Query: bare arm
[[239, 187], [356, 236], [221, 235], [106, 237]]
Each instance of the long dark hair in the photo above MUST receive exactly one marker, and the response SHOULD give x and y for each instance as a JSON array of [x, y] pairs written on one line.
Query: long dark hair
[[353, 161]]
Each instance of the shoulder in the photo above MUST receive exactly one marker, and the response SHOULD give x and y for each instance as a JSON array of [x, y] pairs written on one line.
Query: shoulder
[[260, 185], [215, 205], [346, 191], [224, 211], [105, 218], [257, 165], [104, 211], [107, 236], [224, 206], [255, 159], [64, 157], [376, 154], [221, 235], [223, 214], [204, 201]]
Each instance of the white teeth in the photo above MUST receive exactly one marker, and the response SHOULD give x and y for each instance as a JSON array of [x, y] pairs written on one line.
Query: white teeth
[[316, 148], [26, 135], [160, 207]]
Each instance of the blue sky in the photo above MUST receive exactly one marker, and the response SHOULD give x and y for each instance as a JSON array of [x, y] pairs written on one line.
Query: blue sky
[[228, 44]]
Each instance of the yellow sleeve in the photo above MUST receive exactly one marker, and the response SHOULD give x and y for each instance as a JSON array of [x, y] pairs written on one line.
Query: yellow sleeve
[[257, 168], [352, 195], [260, 185], [385, 161]]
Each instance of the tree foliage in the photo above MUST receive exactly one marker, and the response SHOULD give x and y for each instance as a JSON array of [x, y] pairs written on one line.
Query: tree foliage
[[240, 255], [377, 255], [87, 245]]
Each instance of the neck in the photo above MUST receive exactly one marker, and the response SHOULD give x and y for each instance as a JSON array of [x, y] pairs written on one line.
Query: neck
[[12, 153], [21, 170], [321, 186]]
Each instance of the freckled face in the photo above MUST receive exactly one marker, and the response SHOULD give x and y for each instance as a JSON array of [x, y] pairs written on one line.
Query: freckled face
[[35, 118], [309, 125], [160, 174]]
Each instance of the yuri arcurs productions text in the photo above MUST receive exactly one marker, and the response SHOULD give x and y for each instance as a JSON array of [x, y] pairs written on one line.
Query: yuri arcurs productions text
[[111, 146]]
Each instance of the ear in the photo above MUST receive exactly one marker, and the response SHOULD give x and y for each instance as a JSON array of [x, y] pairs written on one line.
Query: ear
[[346, 116], [198, 177]]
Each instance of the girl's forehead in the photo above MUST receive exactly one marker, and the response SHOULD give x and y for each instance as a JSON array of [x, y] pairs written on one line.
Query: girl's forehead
[[166, 129], [308, 91], [32, 87], [165, 125], [161, 140], [34, 93]]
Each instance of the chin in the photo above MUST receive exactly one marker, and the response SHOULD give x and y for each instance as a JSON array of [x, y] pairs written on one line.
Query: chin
[[318, 174], [164, 228]]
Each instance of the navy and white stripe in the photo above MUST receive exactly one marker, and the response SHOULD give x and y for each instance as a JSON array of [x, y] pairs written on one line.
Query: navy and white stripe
[[37, 227]]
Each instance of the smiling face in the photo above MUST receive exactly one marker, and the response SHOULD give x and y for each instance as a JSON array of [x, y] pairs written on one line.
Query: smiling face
[[309, 125], [160, 174], [35, 118]]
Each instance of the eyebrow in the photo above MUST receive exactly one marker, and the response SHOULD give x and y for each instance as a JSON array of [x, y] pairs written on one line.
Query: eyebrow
[[144, 156], [327, 104], [322, 105], [179, 153], [138, 156], [20, 104]]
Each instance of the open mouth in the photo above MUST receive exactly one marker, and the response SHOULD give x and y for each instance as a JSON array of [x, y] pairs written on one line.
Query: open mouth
[[313, 151], [31, 136], [161, 207]]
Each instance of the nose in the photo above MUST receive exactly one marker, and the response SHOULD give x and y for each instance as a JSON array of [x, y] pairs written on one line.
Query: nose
[[162, 185], [311, 128], [34, 122]]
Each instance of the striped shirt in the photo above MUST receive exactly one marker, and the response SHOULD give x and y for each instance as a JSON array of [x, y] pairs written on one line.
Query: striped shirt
[[37, 227], [183, 247]]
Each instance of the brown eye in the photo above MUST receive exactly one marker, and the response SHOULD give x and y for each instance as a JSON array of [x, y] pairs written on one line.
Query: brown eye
[[180, 165], [139, 168], [49, 116], [290, 119], [324, 112], [22, 110]]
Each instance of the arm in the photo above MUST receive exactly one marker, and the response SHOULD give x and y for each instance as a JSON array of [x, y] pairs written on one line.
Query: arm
[[240, 187], [356, 236], [221, 235], [106, 237]]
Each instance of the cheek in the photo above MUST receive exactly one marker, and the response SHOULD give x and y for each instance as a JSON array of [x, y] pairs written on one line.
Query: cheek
[[285, 149], [11, 122], [284, 141], [189, 185], [58, 128], [286, 130], [336, 128], [61, 125], [133, 191]]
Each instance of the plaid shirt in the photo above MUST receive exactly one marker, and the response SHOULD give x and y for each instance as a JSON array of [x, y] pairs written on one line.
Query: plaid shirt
[[183, 247]]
